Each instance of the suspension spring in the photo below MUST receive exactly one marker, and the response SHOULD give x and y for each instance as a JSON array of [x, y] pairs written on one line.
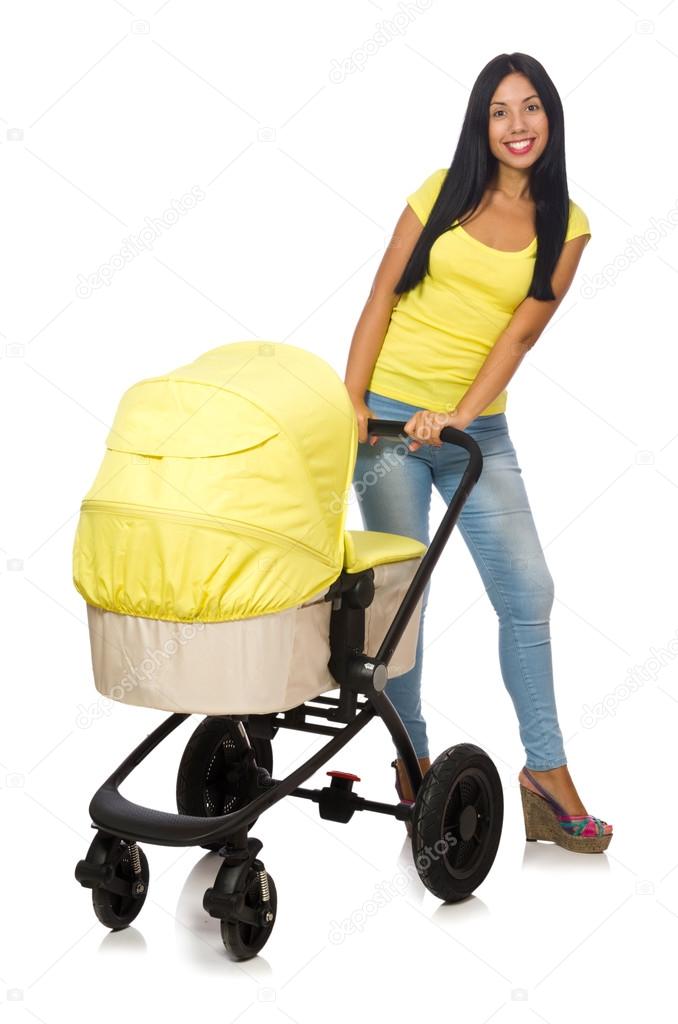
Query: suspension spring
[[135, 860], [263, 886]]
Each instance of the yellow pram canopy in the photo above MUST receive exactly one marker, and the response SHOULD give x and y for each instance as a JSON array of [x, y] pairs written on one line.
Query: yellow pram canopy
[[223, 491]]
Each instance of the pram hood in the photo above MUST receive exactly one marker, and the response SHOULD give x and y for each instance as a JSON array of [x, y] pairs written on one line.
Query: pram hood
[[223, 491]]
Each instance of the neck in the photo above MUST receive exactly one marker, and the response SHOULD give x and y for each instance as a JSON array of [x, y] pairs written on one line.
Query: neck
[[513, 182]]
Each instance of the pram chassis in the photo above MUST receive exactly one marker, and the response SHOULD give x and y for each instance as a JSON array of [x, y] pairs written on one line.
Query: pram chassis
[[361, 680]]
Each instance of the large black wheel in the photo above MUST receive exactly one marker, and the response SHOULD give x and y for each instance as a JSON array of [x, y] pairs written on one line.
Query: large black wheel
[[457, 821], [244, 939], [208, 781], [116, 910]]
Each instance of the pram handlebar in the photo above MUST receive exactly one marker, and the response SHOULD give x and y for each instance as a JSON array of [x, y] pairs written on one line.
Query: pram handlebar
[[471, 474], [451, 435]]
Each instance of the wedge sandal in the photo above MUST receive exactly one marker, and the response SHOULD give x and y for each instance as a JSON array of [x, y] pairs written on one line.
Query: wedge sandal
[[546, 819]]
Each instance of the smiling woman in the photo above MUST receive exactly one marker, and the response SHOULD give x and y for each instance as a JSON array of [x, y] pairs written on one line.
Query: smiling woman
[[481, 257]]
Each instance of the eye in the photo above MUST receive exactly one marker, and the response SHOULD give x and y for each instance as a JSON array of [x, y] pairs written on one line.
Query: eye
[[501, 111]]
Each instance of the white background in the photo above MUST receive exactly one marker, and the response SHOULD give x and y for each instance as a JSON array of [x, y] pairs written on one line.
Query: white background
[[112, 111]]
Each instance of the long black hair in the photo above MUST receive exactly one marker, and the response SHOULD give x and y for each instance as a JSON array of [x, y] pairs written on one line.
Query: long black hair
[[474, 165]]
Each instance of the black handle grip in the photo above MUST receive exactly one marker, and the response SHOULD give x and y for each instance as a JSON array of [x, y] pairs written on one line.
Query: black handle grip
[[450, 435]]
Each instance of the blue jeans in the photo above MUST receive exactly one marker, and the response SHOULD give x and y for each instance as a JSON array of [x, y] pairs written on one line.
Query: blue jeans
[[497, 526]]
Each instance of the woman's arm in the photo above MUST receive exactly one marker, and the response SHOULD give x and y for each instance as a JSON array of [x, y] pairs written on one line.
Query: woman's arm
[[372, 325], [525, 328]]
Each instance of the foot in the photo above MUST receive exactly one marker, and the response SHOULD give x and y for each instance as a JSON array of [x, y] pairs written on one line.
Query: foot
[[402, 783], [557, 814], [559, 784]]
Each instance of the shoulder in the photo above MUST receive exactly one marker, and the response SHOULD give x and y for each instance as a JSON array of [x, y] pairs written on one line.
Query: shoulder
[[578, 223], [424, 197]]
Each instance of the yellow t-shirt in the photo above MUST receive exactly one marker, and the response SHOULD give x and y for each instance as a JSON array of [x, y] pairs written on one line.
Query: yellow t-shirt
[[441, 331]]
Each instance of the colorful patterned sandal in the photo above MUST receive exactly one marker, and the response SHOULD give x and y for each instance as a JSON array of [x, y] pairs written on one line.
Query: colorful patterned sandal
[[545, 818]]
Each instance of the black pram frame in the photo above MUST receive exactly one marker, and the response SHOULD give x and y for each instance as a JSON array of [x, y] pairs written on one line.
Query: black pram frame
[[458, 806]]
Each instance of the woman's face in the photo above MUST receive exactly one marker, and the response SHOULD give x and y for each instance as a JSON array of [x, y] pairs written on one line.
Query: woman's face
[[516, 113]]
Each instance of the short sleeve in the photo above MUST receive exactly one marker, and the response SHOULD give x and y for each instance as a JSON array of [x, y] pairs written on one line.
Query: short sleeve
[[578, 223], [423, 199]]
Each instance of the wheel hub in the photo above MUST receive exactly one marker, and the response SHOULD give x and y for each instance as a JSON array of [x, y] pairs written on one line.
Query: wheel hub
[[468, 821]]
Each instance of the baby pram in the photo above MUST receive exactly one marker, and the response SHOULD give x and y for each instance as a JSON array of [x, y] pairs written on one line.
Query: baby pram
[[220, 580]]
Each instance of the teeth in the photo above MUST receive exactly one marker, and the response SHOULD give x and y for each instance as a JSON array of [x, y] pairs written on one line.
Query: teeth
[[520, 145]]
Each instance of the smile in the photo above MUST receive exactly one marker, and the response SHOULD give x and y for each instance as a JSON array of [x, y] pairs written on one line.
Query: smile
[[524, 146]]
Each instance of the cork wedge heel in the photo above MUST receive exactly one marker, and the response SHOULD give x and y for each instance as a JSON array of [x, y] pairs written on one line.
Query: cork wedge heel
[[546, 819]]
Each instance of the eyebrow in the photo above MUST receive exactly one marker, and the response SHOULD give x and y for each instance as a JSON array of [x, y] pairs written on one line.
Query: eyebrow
[[503, 104]]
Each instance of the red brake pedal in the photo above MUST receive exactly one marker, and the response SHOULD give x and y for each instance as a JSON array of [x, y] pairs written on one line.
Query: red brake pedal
[[344, 775]]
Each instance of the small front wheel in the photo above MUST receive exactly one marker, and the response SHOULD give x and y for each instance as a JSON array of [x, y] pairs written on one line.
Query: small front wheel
[[117, 906], [245, 938], [457, 821]]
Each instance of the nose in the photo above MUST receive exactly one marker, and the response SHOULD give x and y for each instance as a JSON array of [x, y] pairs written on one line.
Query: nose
[[518, 126]]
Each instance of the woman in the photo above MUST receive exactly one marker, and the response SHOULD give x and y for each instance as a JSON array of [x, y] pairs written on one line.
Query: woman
[[480, 260]]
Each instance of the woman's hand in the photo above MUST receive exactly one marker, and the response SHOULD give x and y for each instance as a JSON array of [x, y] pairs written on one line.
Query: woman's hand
[[425, 426], [363, 414]]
